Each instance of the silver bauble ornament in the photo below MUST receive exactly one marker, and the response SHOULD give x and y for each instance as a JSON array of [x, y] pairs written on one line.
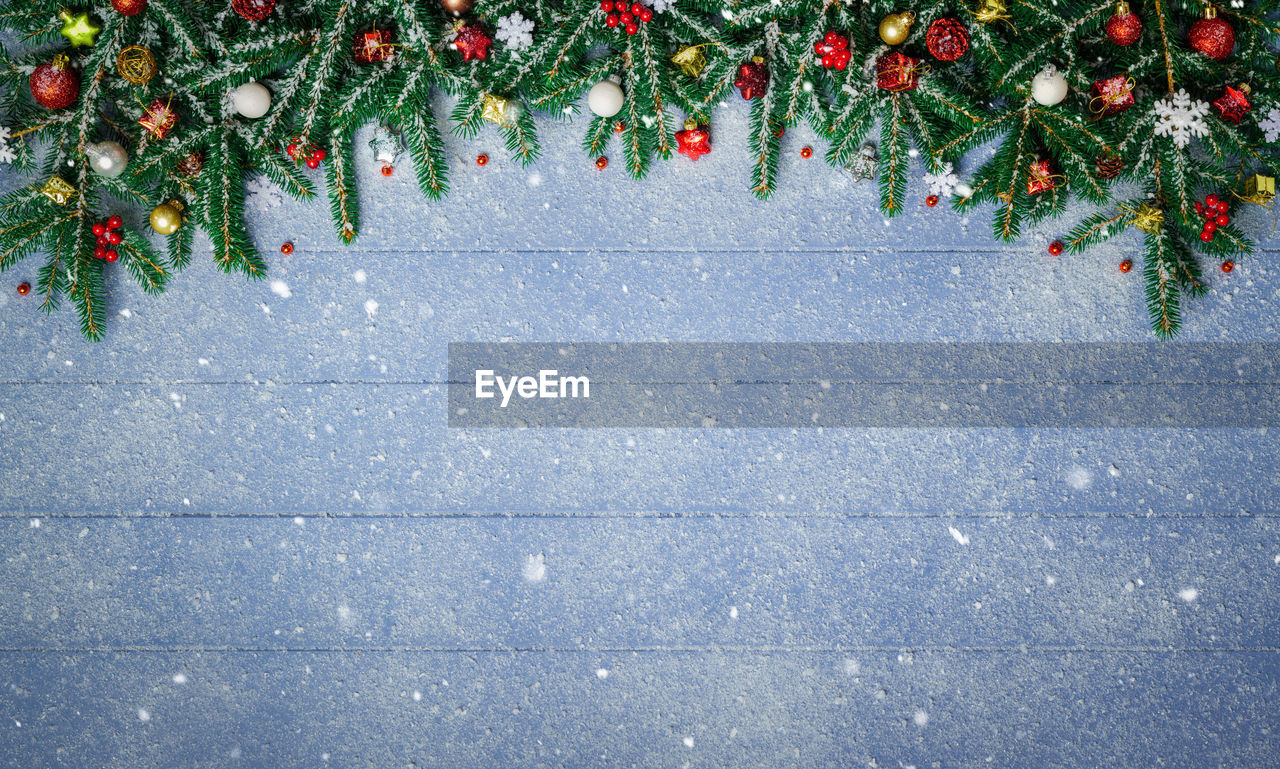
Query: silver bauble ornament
[[107, 158]]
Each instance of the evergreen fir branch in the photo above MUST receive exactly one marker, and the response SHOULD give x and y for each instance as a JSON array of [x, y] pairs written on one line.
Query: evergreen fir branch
[[894, 151], [1161, 263], [340, 172], [522, 139], [141, 260], [765, 146], [426, 146]]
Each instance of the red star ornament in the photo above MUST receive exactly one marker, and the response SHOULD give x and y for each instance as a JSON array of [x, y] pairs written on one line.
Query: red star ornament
[[693, 140], [472, 42]]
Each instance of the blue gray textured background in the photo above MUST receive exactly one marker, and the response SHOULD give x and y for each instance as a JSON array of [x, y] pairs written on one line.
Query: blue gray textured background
[[239, 533]]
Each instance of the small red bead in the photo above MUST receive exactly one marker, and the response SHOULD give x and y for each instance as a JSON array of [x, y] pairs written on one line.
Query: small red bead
[[1211, 200], [646, 15], [286, 248], [602, 162], [1222, 220], [806, 152], [100, 252], [388, 170], [482, 159], [1222, 206], [113, 255], [931, 201], [24, 289], [115, 238], [781, 130], [1228, 266], [611, 20], [831, 37], [1056, 247], [99, 229], [633, 28], [1126, 265], [313, 162]]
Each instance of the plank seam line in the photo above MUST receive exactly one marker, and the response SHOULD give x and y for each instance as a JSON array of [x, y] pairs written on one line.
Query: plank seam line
[[624, 515], [271, 382], [779, 649]]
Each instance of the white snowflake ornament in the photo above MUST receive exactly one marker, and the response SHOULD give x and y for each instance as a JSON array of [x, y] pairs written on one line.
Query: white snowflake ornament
[[515, 31], [1270, 125], [942, 182], [261, 193], [1180, 117]]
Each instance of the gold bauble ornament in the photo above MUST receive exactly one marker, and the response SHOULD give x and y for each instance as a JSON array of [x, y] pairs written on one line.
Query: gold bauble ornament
[[690, 60], [136, 64], [458, 7], [895, 27], [166, 218]]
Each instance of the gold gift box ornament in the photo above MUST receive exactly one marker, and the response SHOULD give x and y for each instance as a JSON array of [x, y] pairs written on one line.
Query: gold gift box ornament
[[57, 190], [1260, 189]]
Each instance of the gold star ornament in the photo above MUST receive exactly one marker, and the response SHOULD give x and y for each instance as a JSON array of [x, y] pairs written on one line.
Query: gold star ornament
[[79, 29]]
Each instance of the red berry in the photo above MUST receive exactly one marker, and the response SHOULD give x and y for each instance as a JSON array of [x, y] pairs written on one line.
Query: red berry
[[1056, 248], [621, 6], [828, 61], [1206, 236], [931, 201], [1211, 200], [646, 15], [1210, 226], [1222, 220], [99, 229], [832, 37], [1126, 265], [1222, 206], [113, 255], [842, 42], [606, 5], [633, 28], [313, 162], [319, 154], [636, 8], [292, 149], [115, 238], [101, 240], [624, 18], [611, 20], [100, 252], [115, 223], [1200, 208], [1228, 266], [842, 63]]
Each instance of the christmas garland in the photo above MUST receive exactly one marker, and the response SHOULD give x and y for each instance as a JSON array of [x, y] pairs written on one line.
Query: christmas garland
[[1163, 116]]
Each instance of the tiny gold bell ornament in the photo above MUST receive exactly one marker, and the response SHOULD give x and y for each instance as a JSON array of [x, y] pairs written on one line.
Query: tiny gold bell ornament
[[895, 27], [166, 218]]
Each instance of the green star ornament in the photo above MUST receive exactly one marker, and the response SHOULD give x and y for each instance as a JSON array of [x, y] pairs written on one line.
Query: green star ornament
[[80, 30]]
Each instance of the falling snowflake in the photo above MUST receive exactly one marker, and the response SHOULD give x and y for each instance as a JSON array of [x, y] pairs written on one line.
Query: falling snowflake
[[660, 6], [942, 182], [1271, 124], [1180, 118], [262, 193], [515, 31]]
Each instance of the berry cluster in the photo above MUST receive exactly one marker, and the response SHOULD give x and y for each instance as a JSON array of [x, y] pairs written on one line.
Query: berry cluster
[[108, 234], [834, 50], [313, 155], [624, 14], [1214, 211]]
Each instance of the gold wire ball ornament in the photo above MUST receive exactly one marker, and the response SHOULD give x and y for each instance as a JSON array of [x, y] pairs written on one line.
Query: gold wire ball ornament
[[57, 190], [896, 27], [1148, 218], [136, 64], [166, 218], [690, 60]]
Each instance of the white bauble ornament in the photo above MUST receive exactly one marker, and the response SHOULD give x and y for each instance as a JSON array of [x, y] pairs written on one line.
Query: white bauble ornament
[[252, 100], [605, 98], [107, 158], [1049, 87]]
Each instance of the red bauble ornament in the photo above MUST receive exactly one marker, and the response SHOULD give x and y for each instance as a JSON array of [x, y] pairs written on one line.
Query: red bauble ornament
[[1233, 105], [753, 79], [931, 201], [806, 152], [1056, 248], [472, 42], [897, 72], [602, 162], [834, 50], [1126, 265], [129, 7], [482, 160], [55, 84], [1112, 95], [286, 248], [24, 289], [947, 39], [694, 140], [253, 10], [374, 47], [1124, 27], [1041, 177], [1228, 266], [1212, 36]]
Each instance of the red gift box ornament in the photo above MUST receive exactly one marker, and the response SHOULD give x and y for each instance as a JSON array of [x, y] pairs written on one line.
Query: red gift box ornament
[[1042, 177], [159, 118], [693, 140], [1233, 104], [1111, 95], [374, 47], [898, 72]]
